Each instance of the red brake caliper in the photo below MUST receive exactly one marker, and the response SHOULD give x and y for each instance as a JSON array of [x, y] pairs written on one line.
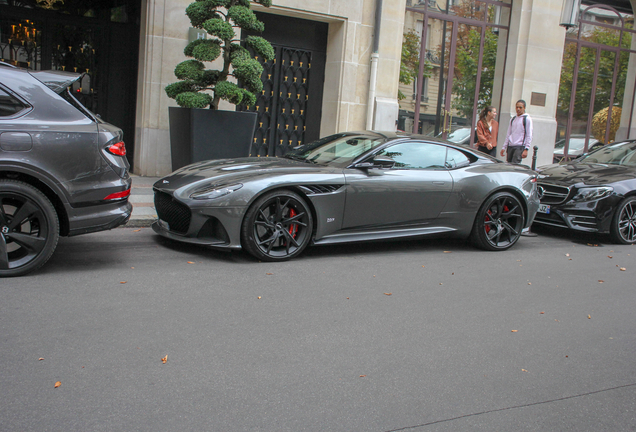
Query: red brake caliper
[[293, 228], [488, 218]]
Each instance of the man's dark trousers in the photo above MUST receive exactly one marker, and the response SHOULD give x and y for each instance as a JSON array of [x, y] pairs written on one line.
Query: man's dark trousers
[[513, 154]]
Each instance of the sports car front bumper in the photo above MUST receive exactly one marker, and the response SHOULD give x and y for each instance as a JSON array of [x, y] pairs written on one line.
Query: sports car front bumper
[[195, 222]]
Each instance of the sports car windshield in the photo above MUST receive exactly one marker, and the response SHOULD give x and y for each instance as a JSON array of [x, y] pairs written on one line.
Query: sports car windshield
[[614, 154], [337, 149]]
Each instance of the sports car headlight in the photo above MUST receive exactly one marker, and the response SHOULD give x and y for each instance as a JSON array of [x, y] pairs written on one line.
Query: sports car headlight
[[592, 194], [215, 192]]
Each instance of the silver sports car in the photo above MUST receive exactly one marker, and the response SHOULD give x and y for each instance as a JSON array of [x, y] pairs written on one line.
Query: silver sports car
[[347, 187]]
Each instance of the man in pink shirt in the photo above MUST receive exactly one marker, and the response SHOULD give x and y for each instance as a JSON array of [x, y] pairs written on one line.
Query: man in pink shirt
[[519, 135]]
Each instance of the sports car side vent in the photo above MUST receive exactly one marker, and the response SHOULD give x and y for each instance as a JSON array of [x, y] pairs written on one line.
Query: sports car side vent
[[320, 189], [177, 215], [553, 194]]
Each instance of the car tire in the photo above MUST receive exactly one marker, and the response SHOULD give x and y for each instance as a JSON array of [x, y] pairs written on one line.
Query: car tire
[[277, 227], [29, 228], [499, 222], [623, 229]]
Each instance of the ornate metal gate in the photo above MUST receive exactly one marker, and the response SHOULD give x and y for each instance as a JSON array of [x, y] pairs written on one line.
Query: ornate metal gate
[[282, 105]]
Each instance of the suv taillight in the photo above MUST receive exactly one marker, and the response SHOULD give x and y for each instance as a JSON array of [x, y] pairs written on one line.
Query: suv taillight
[[118, 149]]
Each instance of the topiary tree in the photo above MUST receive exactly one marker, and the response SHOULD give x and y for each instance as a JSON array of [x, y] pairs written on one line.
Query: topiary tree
[[219, 18]]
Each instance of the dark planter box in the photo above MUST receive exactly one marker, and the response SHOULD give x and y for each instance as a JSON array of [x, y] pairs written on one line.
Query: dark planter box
[[202, 134]]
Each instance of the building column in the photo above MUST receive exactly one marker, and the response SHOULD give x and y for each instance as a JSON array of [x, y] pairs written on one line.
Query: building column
[[164, 33], [533, 65], [624, 132]]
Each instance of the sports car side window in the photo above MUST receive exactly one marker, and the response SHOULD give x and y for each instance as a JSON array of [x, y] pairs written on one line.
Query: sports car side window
[[416, 155], [9, 105], [455, 158]]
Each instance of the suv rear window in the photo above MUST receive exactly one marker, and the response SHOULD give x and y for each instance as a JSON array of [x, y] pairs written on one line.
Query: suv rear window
[[9, 105]]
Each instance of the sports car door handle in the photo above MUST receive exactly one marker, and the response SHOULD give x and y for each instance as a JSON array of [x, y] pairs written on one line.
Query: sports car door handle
[[439, 183]]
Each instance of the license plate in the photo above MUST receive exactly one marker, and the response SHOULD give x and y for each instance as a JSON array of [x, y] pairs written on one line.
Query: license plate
[[544, 208]]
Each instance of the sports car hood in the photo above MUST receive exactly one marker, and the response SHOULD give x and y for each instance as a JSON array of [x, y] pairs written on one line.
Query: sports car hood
[[588, 174], [237, 170]]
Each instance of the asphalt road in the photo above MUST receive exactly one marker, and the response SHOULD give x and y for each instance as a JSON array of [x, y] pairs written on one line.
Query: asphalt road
[[409, 336]]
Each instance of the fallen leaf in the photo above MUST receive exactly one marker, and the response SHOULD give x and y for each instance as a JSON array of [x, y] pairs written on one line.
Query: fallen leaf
[[123, 282], [600, 281], [136, 230], [556, 320], [523, 370], [441, 283], [541, 313], [191, 262], [610, 257], [269, 274], [259, 297], [452, 273], [165, 359], [529, 283], [447, 252], [423, 266], [570, 259], [566, 356], [347, 298], [388, 293], [362, 376], [41, 358], [57, 384], [132, 268], [514, 331], [589, 317], [623, 269]]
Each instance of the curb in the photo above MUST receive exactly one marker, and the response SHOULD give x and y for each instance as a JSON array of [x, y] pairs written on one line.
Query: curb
[[139, 223]]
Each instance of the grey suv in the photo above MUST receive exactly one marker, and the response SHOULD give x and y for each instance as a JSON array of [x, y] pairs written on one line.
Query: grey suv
[[63, 171]]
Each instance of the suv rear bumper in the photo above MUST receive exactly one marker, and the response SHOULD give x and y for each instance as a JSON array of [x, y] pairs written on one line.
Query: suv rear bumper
[[98, 218]]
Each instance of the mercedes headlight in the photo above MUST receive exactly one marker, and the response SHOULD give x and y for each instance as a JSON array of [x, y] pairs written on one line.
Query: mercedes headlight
[[593, 193], [213, 192]]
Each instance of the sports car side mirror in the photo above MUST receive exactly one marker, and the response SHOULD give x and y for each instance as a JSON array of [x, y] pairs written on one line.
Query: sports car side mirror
[[383, 162], [377, 162]]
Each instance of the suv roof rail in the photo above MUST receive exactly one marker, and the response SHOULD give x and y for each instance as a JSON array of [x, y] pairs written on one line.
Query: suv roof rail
[[7, 64]]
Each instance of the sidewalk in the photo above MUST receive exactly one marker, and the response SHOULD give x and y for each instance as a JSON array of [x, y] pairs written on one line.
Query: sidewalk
[[142, 199]]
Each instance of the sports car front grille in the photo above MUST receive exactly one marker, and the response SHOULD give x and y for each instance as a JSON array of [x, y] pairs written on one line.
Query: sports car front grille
[[553, 194], [173, 212], [320, 189]]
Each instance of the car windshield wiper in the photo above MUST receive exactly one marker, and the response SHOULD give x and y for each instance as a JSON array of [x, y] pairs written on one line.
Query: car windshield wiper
[[294, 157], [299, 158]]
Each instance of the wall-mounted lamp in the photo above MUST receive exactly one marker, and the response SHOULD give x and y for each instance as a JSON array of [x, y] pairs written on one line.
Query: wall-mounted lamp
[[570, 13]]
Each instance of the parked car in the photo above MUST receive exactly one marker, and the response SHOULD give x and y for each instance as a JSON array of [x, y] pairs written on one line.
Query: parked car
[[459, 136], [576, 147], [347, 187], [595, 193], [63, 171]]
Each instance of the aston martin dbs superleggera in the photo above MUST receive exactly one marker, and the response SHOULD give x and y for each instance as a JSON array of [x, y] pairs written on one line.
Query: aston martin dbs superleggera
[[347, 187]]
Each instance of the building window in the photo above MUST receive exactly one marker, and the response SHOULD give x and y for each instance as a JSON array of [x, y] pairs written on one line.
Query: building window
[[424, 90]]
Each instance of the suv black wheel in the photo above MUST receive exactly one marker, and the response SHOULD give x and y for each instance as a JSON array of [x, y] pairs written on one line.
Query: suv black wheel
[[499, 222], [277, 226], [29, 228], [623, 229]]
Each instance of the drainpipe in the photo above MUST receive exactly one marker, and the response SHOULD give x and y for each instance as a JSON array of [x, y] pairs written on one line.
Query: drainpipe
[[374, 64]]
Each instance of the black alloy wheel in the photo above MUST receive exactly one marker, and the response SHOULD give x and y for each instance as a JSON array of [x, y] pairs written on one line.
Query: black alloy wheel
[[499, 222], [277, 227], [623, 229], [29, 228]]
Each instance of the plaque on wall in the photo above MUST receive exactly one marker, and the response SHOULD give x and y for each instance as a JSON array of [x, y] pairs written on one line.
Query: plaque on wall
[[538, 99]]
